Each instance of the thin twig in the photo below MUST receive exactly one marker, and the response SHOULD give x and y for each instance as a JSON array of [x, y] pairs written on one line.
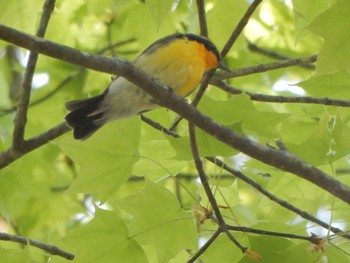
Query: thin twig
[[23, 102], [264, 67], [203, 176], [118, 44], [311, 239], [53, 250], [202, 18], [275, 55], [201, 173], [274, 198], [282, 99], [159, 127], [205, 246], [109, 36], [239, 28]]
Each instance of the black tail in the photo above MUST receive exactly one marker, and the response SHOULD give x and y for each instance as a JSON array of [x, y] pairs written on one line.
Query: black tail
[[83, 114]]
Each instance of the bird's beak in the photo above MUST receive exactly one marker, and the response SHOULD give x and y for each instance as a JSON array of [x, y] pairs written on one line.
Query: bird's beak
[[223, 67]]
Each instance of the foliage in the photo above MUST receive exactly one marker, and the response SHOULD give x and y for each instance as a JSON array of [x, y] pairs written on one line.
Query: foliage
[[131, 192]]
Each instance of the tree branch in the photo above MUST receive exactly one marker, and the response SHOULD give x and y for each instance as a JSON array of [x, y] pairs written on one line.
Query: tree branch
[[165, 97], [274, 198], [202, 18], [274, 55], [281, 99], [239, 28], [252, 183], [11, 154], [205, 246], [264, 67], [53, 250], [313, 239], [23, 102], [203, 177]]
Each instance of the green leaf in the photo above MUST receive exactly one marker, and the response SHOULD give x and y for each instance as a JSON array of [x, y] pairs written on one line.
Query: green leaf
[[240, 109], [328, 142], [157, 160], [335, 85], [105, 239], [21, 14], [306, 11], [12, 189], [270, 248], [335, 52], [208, 146], [298, 253], [15, 255], [159, 9], [106, 159], [182, 148], [334, 254], [291, 129], [159, 221], [229, 111], [222, 249]]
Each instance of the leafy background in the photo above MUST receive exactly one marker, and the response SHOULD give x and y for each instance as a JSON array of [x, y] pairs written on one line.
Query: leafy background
[[130, 193]]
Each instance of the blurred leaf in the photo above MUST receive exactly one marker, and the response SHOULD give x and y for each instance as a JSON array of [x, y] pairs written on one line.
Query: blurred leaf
[[15, 255], [159, 9], [27, 14], [105, 239], [159, 221]]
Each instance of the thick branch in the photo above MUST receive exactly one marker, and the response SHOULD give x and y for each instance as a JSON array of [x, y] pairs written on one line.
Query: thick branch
[[165, 97]]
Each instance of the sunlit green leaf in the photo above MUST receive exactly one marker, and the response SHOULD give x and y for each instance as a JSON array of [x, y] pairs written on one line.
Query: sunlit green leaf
[[306, 11], [336, 49], [335, 85], [106, 159], [106, 239], [156, 211]]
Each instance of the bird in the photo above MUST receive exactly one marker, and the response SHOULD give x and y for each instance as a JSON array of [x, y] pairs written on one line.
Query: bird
[[178, 61]]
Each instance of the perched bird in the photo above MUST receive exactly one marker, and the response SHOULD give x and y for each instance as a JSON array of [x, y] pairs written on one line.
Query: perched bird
[[177, 61]]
